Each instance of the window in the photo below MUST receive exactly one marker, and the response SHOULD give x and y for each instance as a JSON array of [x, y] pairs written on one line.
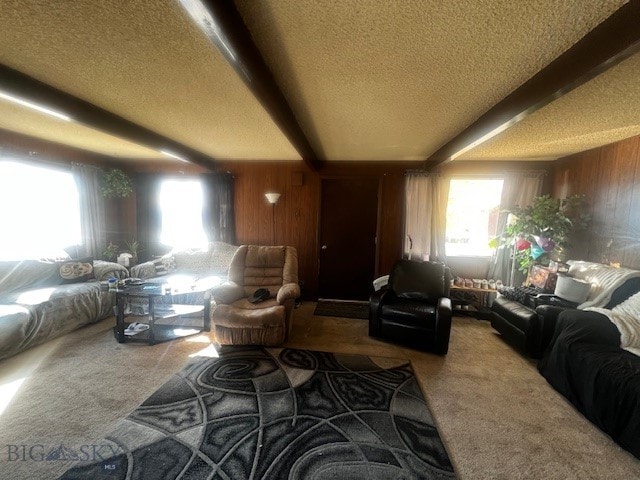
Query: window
[[181, 203], [39, 211], [472, 216]]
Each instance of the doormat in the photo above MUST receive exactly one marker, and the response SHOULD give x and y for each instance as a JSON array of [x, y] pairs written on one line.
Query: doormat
[[269, 413], [345, 309]]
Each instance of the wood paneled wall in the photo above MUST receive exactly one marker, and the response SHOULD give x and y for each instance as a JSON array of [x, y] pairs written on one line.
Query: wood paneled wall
[[609, 177], [297, 210]]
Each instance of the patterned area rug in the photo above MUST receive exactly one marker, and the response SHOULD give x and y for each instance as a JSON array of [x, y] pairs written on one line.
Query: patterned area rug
[[345, 309], [257, 413]]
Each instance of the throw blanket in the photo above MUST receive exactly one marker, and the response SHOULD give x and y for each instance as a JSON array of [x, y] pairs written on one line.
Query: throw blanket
[[585, 364], [604, 280], [626, 317]]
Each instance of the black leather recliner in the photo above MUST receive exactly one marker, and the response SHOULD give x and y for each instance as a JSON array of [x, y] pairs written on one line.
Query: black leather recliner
[[414, 308]]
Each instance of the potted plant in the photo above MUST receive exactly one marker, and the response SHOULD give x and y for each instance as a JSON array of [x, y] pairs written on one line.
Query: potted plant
[[110, 253], [541, 231], [133, 247], [116, 184]]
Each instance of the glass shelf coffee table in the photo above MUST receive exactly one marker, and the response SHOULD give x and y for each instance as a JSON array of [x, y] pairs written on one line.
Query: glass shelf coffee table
[[165, 305]]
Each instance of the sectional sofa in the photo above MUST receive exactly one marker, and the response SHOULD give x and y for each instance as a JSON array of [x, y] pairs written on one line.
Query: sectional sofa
[[40, 300]]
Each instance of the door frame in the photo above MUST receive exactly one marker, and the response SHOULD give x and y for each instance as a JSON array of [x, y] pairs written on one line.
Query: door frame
[[379, 179]]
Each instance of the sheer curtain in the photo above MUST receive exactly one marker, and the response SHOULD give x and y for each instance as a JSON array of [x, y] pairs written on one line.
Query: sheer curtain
[[425, 216], [519, 189], [92, 214], [218, 217]]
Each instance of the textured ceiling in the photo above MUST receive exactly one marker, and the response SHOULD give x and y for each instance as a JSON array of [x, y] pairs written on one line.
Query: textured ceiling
[[29, 122], [377, 80], [366, 79], [145, 61], [602, 111]]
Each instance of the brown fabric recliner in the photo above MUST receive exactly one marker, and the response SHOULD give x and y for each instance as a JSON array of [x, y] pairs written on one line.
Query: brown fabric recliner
[[235, 320]]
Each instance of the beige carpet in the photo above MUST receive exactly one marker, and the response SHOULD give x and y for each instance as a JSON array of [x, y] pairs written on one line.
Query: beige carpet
[[497, 416]]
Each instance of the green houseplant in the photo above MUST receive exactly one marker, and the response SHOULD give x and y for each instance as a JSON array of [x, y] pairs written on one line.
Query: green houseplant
[[110, 253], [541, 231], [116, 184], [133, 247]]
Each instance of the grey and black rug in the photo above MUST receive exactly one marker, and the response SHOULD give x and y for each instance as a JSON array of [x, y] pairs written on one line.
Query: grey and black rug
[[257, 413]]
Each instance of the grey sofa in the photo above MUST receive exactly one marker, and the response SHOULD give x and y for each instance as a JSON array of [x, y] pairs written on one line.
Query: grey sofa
[[205, 267], [191, 264], [35, 306]]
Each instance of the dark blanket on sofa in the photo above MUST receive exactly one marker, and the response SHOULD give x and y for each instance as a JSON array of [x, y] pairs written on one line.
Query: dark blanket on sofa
[[585, 363]]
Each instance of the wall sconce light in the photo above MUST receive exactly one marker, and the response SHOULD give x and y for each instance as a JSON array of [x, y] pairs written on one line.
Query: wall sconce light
[[272, 198]]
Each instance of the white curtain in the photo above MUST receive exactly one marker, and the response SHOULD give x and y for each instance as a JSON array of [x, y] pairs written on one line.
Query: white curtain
[[425, 216], [519, 189], [92, 215]]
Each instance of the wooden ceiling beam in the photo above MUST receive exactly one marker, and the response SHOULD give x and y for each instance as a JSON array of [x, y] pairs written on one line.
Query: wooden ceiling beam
[[21, 86], [222, 24], [612, 41]]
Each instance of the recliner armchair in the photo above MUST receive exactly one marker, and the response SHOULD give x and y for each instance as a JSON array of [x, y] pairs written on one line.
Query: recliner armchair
[[414, 308], [236, 320]]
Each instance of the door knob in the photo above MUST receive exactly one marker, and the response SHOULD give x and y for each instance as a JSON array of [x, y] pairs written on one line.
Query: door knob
[[324, 247]]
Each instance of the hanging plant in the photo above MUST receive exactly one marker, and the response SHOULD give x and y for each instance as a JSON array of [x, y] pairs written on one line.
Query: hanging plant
[[116, 184]]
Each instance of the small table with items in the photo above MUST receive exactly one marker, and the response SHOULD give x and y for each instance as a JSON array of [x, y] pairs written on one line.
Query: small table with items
[[471, 300], [164, 303]]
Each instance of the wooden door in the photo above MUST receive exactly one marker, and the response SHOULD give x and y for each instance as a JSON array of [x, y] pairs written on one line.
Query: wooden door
[[347, 238]]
